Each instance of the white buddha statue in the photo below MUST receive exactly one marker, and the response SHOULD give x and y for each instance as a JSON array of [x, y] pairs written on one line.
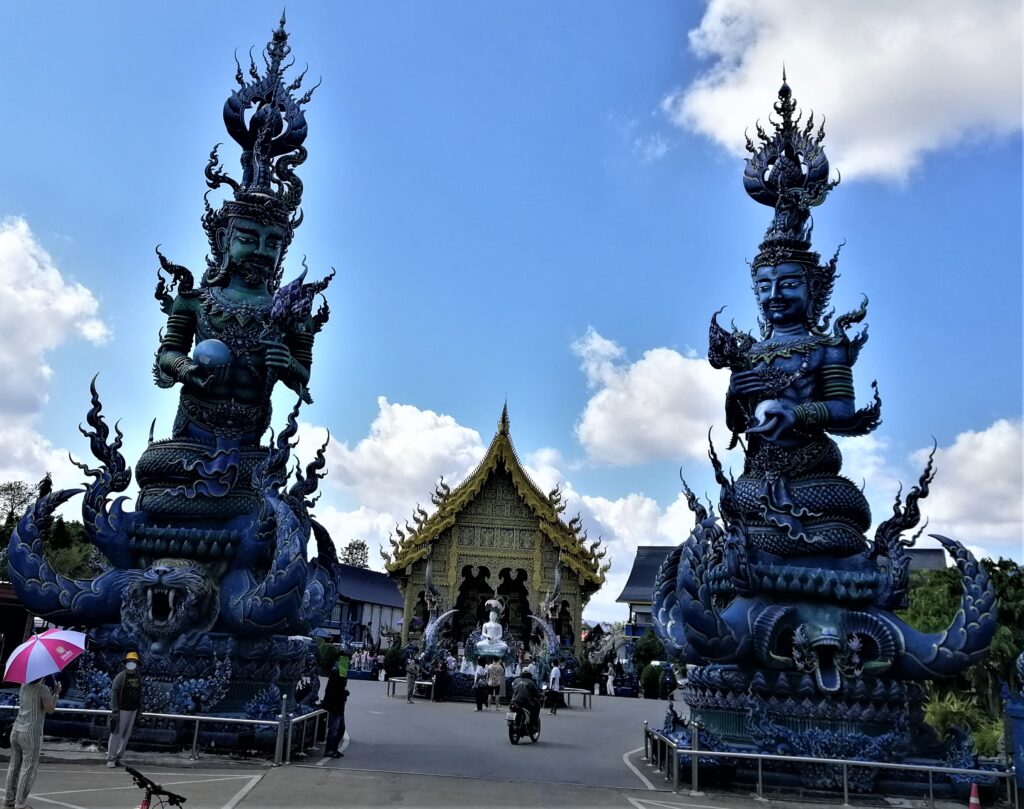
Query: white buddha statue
[[492, 643]]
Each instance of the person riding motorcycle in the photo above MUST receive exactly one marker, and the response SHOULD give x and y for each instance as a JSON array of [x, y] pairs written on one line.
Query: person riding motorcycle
[[526, 694]]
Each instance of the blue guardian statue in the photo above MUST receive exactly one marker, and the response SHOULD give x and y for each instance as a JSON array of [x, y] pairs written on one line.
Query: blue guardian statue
[[210, 578], [783, 608]]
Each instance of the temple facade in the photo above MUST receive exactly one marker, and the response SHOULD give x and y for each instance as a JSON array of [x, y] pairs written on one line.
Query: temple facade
[[496, 534]]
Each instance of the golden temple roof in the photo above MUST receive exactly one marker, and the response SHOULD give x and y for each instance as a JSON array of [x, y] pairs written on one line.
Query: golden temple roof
[[577, 555]]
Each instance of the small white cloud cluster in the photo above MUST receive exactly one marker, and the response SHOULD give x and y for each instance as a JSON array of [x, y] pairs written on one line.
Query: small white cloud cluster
[[39, 311], [651, 148], [390, 470], [976, 495], [895, 80], [660, 406], [399, 462]]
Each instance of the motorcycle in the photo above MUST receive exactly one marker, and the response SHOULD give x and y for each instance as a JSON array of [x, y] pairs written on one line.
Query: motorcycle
[[518, 719]]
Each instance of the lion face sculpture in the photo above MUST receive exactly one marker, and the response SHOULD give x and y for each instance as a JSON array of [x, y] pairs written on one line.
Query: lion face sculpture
[[173, 597]]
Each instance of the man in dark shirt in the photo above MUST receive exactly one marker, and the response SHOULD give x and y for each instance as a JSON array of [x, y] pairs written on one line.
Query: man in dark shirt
[[125, 705], [335, 697], [526, 694]]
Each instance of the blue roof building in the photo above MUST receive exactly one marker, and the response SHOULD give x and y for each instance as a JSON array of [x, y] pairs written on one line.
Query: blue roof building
[[369, 609]]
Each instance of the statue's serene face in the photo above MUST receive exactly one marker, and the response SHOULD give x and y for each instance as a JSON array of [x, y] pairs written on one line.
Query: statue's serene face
[[783, 293], [253, 250]]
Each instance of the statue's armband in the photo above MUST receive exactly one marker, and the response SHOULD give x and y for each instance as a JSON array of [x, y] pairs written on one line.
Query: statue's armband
[[833, 397], [301, 346], [172, 357], [835, 382]]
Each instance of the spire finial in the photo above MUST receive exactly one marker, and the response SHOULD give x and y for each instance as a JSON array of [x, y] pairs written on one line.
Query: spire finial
[[503, 422]]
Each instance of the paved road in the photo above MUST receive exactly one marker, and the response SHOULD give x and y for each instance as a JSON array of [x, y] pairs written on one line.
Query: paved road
[[75, 786], [576, 747], [87, 787], [423, 755]]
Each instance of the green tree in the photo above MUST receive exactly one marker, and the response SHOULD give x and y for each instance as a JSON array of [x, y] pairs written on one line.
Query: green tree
[[15, 497], [934, 599], [356, 553], [974, 697], [646, 649], [68, 548], [67, 545], [650, 681]]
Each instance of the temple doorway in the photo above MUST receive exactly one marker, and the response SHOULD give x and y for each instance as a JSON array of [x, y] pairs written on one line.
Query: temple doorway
[[563, 626], [473, 593], [514, 594]]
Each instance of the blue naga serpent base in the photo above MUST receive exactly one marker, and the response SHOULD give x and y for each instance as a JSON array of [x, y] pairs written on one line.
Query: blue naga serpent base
[[783, 610], [264, 617]]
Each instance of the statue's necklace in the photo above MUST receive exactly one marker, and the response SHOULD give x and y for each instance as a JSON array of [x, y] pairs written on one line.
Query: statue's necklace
[[242, 325], [767, 352], [242, 311]]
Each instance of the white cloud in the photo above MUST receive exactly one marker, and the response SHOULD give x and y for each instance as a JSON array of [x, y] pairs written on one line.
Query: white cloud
[[626, 523], [978, 493], [39, 311], [895, 80], [660, 406], [392, 469], [651, 148], [397, 464], [362, 523], [27, 455]]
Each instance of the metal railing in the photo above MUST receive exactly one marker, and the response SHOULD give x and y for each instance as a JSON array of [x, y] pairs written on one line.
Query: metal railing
[[283, 724], [663, 753], [304, 721]]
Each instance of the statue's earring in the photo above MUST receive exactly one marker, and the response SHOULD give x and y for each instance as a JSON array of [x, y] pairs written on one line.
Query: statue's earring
[[222, 238]]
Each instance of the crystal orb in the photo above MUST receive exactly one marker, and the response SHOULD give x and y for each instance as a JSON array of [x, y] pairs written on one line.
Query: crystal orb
[[211, 354]]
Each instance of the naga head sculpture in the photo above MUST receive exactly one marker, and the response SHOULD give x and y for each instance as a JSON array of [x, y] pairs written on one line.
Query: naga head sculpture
[[171, 597]]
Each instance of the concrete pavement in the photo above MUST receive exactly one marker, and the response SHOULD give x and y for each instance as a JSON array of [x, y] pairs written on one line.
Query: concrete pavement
[[577, 746], [422, 755]]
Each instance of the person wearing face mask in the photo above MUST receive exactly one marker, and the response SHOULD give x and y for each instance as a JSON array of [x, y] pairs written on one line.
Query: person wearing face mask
[[125, 705]]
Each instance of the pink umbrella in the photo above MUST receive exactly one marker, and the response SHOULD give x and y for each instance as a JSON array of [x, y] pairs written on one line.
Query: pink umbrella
[[43, 654]]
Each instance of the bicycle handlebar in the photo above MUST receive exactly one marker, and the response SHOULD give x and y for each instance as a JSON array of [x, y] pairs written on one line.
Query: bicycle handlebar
[[142, 782]]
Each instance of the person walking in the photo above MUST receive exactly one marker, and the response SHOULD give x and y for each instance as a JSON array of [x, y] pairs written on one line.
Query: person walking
[[495, 677], [480, 688], [35, 700], [125, 705], [335, 697], [440, 691], [411, 670], [555, 688]]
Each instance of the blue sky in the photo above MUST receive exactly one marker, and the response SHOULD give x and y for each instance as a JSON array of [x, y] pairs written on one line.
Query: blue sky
[[539, 201]]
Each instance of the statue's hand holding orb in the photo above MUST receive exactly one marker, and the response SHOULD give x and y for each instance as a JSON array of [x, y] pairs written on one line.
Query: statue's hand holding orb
[[213, 362], [772, 418]]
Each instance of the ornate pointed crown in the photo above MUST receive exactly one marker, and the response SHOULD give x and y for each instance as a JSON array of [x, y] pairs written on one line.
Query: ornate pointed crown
[[269, 124], [789, 172]]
